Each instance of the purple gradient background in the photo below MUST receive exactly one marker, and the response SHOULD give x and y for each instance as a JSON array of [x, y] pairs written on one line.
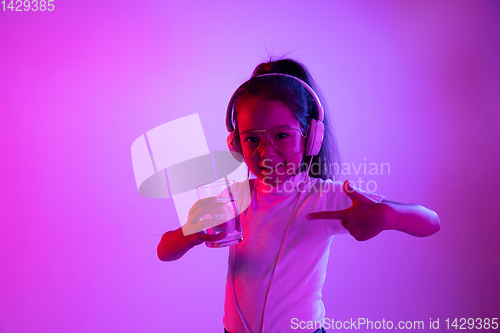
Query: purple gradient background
[[412, 83]]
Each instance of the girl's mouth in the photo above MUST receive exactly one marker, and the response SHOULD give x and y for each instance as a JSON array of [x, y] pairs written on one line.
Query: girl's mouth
[[269, 170]]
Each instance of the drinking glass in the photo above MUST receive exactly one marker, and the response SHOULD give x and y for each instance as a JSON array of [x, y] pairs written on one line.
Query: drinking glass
[[230, 221]]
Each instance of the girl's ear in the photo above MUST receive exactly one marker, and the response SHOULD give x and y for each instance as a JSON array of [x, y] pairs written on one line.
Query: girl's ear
[[307, 129], [234, 145]]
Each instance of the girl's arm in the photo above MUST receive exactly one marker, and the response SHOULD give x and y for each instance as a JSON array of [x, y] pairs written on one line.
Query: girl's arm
[[366, 218], [415, 220], [174, 244]]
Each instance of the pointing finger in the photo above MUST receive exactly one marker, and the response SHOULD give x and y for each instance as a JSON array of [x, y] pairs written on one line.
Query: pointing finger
[[332, 215]]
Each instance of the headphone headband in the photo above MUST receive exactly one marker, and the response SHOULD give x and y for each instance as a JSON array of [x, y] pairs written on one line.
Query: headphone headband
[[230, 107]]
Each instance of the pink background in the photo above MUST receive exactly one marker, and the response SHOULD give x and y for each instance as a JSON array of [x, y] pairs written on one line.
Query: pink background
[[411, 83]]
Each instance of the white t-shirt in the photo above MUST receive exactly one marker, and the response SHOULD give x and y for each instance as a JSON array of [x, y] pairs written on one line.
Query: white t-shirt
[[301, 272]]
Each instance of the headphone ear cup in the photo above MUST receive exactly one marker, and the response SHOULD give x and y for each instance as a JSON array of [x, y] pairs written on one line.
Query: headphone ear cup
[[314, 137], [234, 145]]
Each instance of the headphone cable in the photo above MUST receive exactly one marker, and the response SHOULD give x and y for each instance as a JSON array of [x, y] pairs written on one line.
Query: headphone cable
[[282, 245]]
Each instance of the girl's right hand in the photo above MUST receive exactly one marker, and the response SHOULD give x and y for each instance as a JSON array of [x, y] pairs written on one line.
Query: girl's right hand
[[174, 244], [194, 229]]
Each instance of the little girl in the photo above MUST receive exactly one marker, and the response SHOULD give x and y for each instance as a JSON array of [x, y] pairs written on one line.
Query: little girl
[[279, 128]]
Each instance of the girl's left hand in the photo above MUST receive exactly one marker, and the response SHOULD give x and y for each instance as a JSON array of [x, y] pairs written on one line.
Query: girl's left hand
[[365, 219]]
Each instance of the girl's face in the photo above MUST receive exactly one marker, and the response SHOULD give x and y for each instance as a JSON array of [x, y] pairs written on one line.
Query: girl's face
[[269, 164]]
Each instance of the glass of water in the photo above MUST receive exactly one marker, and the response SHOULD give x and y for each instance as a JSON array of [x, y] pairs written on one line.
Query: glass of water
[[229, 220]]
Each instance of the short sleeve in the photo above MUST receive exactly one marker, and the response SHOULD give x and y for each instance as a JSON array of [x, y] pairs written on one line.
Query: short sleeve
[[374, 196], [331, 198]]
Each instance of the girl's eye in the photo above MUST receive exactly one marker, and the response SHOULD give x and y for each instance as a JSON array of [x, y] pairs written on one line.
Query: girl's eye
[[251, 139], [282, 135]]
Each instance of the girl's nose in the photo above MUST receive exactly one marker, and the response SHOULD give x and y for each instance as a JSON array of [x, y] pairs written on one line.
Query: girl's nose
[[267, 149]]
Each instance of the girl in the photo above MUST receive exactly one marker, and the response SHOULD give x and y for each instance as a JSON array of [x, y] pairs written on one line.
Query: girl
[[276, 273]]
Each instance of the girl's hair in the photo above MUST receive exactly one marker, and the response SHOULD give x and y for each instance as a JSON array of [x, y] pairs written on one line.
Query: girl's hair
[[325, 165]]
